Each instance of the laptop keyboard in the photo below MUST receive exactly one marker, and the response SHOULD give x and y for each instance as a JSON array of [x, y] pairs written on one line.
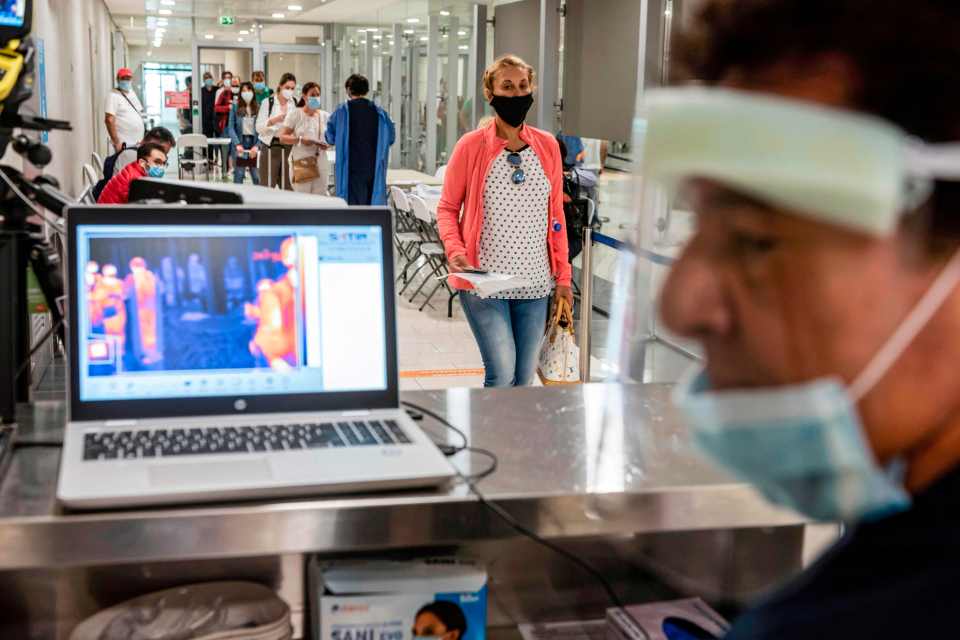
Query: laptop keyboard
[[163, 443]]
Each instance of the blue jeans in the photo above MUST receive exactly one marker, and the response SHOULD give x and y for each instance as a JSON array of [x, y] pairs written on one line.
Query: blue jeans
[[508, 333]]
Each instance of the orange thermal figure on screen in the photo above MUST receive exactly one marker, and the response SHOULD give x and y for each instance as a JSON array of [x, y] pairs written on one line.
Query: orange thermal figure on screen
[[91, 279], [142, 286], [276, 313], [109, 297]]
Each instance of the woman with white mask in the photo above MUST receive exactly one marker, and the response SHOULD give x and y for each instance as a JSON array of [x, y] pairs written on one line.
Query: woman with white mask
[[274, 154], [303, 129]]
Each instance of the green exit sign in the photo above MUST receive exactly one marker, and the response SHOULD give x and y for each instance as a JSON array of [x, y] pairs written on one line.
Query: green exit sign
[[227, 21]]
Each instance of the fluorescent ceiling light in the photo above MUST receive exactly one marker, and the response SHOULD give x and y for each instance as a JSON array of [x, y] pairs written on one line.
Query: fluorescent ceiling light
[[424, 38], [444, 13], [413, 20], [461, 33], [239, 39], [165, 12], [409, 31], [244, 32], [209, 36], [168, 3], [294, 7], [279, 16], [464, 47]]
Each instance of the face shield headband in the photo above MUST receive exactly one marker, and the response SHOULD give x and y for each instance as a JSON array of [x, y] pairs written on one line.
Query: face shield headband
[[836, 166]]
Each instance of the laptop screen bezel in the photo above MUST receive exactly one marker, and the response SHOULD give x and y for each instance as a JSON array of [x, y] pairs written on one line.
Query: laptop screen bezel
[[80, 410]]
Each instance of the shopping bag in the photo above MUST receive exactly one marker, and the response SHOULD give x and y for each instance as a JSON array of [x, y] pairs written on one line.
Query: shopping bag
[[559, 354]]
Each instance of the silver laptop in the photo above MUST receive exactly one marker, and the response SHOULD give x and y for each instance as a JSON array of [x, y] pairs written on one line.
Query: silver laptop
[[225, 352]]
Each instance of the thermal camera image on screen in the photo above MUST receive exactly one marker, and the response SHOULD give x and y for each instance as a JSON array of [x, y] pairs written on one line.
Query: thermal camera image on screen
[[168, 312], [11, 12], [203, 303]]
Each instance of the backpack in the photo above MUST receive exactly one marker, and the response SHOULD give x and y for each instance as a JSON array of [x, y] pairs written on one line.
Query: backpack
[[109, 164], [575, 214]]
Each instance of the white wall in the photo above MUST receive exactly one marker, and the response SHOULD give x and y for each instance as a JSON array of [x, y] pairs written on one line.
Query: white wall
[[78, 49]]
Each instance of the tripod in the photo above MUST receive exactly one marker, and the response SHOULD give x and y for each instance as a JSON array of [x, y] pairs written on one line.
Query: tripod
[[22, 244]]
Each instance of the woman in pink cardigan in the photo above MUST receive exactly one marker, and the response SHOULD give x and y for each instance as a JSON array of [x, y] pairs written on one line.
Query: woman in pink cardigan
[[507, 179]]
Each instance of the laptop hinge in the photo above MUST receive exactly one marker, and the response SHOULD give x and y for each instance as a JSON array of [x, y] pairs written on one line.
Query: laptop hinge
[[119, 423], [351, 414]]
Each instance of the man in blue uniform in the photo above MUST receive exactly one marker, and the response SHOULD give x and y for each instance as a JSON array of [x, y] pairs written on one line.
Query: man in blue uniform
[[362, 133]]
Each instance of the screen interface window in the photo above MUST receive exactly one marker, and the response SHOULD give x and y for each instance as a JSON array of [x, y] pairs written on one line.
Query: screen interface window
[[11, 13], [196, 311]]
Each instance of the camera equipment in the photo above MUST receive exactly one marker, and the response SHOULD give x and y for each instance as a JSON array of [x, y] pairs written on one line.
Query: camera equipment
[[25, 205]]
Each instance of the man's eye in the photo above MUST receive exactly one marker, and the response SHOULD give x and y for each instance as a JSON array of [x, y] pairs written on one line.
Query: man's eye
[[753, 244]]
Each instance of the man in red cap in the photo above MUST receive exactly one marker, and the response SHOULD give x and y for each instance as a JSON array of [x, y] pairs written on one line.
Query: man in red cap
[[124, 117]]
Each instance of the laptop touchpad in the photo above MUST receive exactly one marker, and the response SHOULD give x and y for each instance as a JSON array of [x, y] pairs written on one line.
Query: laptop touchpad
[[210, 473]]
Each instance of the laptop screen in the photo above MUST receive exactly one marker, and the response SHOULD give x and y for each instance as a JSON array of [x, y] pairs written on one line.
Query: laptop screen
[[172, 311]]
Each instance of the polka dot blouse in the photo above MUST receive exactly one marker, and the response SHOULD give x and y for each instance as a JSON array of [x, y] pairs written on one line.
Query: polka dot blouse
[[515, 220]]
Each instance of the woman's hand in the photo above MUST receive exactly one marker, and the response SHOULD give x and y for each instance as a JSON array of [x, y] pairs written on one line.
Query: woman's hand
[[240, 148], [275, 120], [459, 264], [562, 293]]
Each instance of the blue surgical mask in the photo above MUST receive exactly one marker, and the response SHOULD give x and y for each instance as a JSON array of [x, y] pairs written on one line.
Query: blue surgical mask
[[803, 445], [125, 85], [313, 102], [208, 82], [260, 86], [156, 172]]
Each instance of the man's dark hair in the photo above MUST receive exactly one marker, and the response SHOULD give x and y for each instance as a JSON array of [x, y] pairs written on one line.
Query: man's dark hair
[[905, 56], [357, 85], [144, 150], [449, 613], [160, 135], [224, 74]]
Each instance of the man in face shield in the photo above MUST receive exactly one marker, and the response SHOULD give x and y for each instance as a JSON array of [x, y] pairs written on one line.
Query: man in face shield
[[823, 283]]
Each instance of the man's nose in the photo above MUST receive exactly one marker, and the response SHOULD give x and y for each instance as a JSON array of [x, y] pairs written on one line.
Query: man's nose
[[693, 303]]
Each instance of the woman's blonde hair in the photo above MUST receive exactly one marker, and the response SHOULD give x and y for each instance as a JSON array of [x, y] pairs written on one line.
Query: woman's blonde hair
[[504, 61]]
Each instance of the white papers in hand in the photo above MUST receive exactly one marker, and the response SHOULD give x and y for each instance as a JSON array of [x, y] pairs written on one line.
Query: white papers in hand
[[488, 284]]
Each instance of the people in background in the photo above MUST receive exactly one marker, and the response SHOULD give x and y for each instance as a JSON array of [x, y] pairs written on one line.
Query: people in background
[[440, 619], [116, 163], [831, 333], [508, 181], [270, 118], [225, 84], [242, 131], [151, 161], [124, 113], [226, 96], [260, 88], [302, 129], [575, 150], [362, 132], [208, 99], [185, 115]]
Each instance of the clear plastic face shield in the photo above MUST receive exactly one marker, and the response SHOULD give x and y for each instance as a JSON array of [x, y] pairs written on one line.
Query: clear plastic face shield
[[796, 296]]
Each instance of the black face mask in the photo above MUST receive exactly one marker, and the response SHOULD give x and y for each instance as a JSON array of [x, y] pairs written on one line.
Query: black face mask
[[512, 109]]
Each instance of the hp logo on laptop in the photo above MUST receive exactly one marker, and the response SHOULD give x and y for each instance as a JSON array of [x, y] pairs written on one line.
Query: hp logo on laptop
[[240, 404]]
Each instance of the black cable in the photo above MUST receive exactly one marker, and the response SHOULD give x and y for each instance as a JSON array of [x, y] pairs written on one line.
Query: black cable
[[40, 343], [446, 449], [515, 524]]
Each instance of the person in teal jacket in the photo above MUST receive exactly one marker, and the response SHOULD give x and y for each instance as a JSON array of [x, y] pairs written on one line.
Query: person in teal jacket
[[362, 133]]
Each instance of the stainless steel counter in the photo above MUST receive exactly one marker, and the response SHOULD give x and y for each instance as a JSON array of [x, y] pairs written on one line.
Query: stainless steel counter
[[592, 460]]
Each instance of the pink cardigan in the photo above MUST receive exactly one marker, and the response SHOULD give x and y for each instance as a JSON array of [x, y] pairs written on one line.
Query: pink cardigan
[[463, 185]]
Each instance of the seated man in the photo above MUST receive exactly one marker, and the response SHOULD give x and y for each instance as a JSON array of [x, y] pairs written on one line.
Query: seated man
[[114, 164], [151, 161]]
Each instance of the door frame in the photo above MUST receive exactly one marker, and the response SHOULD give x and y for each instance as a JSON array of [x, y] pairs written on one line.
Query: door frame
[[256, 51]]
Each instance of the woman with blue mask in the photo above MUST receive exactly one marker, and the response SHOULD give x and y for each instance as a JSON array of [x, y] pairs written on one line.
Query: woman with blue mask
[[822, 282], [241, 127], [309, 168]]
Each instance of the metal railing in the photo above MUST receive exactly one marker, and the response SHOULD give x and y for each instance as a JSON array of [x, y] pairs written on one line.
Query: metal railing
[[591, 237]]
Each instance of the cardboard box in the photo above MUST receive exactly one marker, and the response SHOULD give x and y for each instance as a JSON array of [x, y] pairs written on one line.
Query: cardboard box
[[690, 618], [386, 600]]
